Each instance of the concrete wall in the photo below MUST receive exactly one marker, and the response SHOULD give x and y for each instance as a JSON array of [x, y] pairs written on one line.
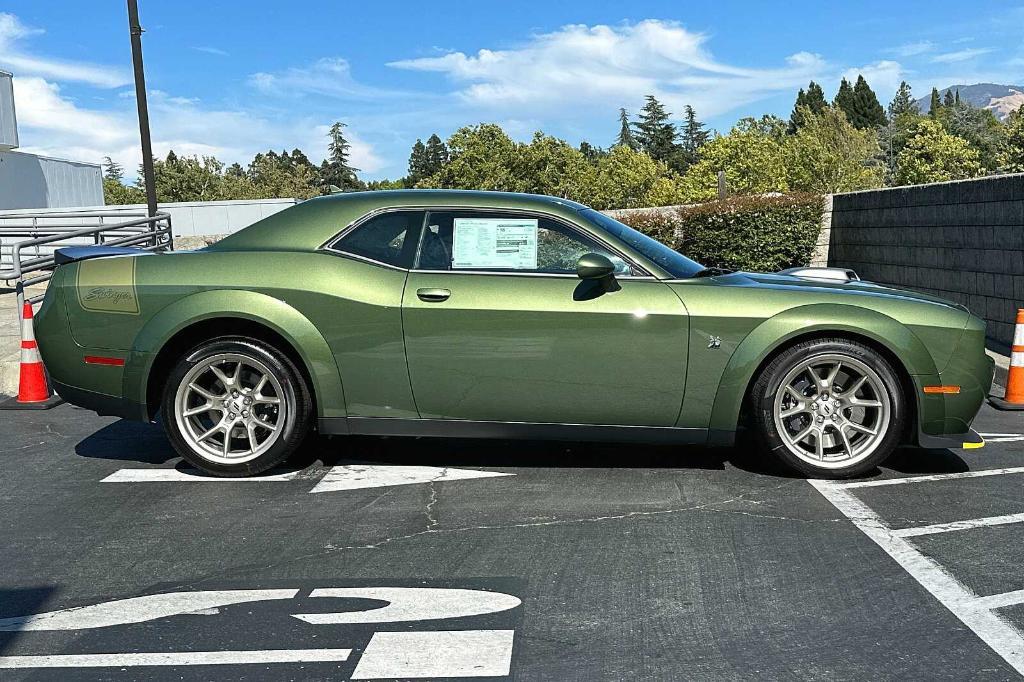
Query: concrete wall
[[960, 240], [28, 181]]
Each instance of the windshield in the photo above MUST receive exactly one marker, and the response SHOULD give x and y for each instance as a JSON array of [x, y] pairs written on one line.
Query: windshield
[[672, 262]]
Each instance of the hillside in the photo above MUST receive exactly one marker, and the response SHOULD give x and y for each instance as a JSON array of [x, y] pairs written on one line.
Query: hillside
[[1001, 99]]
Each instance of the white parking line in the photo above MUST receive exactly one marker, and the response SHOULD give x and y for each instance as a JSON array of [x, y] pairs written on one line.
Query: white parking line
[[930, 477], [959, 525], [189, 475], [976, 613], [176, 658], [446, 653]]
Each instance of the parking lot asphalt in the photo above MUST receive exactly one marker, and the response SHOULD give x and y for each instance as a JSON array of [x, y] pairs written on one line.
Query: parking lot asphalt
[[449, 559]]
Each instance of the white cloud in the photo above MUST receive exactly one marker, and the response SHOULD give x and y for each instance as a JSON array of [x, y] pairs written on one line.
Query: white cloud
[[912, 49], [330, 76], [581, 66], [13, 58], [961, 55], [211, 50], [884, 77], [54, 125]]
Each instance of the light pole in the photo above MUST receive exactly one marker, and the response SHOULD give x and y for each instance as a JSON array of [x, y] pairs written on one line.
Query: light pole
[[140, 97]]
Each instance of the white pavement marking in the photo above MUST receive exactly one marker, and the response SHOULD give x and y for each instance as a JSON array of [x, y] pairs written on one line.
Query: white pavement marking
[[451, 653], [999, 601], [119, 660], [1001, 437], [189, 475], [410, 603], [959, 525], [356, 476], [930, 477], [998, 633], [137, 609]]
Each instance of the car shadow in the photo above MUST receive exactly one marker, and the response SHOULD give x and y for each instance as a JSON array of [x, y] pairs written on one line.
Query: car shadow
[[128, 441]]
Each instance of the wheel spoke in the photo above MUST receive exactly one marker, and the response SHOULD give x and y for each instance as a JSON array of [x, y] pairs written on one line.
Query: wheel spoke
[[819, 445], [819, 383], [830, 381], [250, 430], [203, 392], [237, 376], [857, 402], [213, 430], [226, 445], [847, 445], [803, 434], [224, 378], [799, 408], [200, 409], [863, 429], [852, 390], [266, 425]]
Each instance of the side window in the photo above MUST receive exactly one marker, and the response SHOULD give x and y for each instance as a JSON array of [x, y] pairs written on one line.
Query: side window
[[484, 241], [388, 238]]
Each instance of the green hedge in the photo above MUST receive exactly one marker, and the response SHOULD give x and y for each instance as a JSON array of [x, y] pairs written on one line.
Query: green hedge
[[755, 233]]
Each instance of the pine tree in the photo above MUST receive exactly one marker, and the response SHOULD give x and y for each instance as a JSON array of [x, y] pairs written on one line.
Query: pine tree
[[418, 162], [845, 100], [903, 102], [335, 170], [590, 152], [868, 112], [935, 105], [625, 137], [957, 101], [812, 100], [112, 170], [655, 133], [948, 100], [436, 155], [694, 136]]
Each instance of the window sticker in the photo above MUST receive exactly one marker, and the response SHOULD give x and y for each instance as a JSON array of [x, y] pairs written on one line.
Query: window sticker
[[507, 243]]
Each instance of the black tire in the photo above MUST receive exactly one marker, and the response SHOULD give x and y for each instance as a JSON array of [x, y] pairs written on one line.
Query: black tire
[[762, 405], [295, 393]]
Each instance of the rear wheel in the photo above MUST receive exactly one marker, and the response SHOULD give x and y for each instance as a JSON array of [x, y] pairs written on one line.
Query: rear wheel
[[829, 408], [236, 406]]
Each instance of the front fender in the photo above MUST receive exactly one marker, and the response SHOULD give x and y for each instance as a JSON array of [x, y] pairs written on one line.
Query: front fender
[[822, 318], [274, 313]]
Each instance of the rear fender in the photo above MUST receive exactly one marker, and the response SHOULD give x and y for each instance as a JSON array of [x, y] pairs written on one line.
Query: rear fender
[[271, 312]]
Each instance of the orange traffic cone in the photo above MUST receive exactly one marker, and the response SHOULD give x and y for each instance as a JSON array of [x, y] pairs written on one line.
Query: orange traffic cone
[[33, 391], [1014, 397]]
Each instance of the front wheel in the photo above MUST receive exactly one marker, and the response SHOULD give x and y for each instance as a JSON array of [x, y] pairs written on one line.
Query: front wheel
[[829, 408], [236, 406]]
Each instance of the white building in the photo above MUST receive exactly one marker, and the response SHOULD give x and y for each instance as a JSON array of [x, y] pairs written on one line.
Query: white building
[[30, 181]]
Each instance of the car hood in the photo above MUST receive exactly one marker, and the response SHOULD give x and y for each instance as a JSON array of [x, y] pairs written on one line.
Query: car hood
[[853, 288]]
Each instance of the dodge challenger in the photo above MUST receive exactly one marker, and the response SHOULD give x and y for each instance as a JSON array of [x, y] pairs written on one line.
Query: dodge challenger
[[486, 314]]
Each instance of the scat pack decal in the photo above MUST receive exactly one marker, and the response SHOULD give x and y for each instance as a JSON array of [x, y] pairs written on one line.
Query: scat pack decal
[[107, 285]]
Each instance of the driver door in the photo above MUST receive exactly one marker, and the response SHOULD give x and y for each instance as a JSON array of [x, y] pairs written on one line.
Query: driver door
[[493, 335]]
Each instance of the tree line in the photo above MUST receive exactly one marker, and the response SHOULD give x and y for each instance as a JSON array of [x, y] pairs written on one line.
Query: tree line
[[848, 144]]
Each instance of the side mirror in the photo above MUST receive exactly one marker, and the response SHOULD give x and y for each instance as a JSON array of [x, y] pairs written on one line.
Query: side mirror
[[594, 266]]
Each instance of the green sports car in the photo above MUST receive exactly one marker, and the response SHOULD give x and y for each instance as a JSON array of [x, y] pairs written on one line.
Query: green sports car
[[484, 314]]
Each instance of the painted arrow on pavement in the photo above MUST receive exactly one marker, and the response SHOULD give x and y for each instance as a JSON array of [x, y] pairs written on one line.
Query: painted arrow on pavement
[[357, 476]]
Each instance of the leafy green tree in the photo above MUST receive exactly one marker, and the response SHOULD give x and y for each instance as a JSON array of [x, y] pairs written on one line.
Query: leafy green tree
[[1012, 158], [829, 155], [868, 112], [693, 136], [626, 178], [187, 178], [336, 170], [551, 166], [115, 193], [904, 115], [273, 176], [626, 137], [590, 152], [980, 128], [813, 99], [235, 170], [385, 184], [933, 155], [655, 133], [436, 154], [769, 125], [480, 157], [112, 170], [754, 163]]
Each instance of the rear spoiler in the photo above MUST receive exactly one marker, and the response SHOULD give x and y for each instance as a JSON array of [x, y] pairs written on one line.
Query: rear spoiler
[[73, 254]]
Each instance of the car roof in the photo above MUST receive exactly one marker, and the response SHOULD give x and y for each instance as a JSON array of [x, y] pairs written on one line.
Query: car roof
[[310, 224]]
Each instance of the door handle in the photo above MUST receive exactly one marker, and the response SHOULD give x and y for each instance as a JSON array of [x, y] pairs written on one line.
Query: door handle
[[433, 295]]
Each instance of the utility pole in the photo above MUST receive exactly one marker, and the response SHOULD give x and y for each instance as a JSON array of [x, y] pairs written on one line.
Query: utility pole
[[140, 97]]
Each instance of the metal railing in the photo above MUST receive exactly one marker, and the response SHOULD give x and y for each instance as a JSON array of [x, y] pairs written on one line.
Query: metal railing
[[28, 241]]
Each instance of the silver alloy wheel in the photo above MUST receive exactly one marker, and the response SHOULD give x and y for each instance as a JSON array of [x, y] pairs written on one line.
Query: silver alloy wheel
[[230, 408], [832, 411]]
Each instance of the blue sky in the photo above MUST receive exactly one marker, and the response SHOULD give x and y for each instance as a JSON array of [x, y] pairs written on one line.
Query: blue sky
[[231, 79]]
